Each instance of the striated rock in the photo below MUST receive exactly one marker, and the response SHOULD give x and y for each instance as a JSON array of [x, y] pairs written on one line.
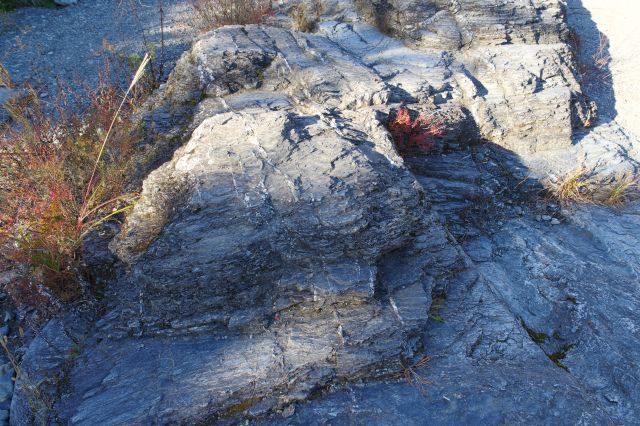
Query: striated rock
[[458, 23], [284, 264], [524, 105], [282, 249]]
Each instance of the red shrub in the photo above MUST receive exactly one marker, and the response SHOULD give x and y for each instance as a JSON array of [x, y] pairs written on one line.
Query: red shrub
[[59, 179], [413, 136]]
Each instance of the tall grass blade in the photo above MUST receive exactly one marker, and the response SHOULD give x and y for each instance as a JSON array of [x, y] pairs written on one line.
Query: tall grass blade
[[138, 75]]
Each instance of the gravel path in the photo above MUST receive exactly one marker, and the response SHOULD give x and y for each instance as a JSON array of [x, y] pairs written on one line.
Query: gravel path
[[71, 43]]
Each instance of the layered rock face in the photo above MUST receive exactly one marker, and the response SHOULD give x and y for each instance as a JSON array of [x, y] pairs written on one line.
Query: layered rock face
[[286, 234], [286, 265], [524, 91]]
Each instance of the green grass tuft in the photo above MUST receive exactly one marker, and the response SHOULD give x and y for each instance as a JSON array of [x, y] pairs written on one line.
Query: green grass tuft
[[9, 5]]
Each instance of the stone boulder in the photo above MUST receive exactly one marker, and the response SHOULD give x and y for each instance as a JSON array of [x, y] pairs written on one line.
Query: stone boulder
[[283, 254], [284, 248]]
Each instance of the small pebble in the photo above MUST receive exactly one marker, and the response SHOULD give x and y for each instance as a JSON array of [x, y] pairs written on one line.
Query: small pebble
[[546, 217], [555, 221], [289, 411]]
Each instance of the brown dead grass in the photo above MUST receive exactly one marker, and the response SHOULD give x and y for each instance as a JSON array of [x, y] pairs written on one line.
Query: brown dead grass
[[410, 373], [212, 14], [577, 187]]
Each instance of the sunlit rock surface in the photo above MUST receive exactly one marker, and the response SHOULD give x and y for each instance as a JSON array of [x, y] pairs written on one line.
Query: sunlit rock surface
[[285, 265]]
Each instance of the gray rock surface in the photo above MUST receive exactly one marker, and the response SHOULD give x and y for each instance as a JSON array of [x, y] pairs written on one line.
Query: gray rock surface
[[286, 266], [525, 323], [6, 95], [311, 272]]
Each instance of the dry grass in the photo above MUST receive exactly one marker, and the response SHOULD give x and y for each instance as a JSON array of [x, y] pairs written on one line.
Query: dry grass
[[306, 19], [574, 187], [61, 178], [377, 13], [601, 57], [212, 14], [621, 193], [410, 374], [596, 70], [577, 187]]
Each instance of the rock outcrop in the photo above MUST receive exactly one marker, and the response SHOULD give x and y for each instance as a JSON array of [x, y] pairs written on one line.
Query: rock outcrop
[[286, 265]]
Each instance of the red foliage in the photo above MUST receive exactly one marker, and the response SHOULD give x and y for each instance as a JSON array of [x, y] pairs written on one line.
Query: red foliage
[[413, 136], [45, 170], [25, 293]]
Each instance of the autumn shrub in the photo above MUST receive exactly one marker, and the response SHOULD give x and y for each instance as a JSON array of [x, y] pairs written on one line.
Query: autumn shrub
[[62, 173], [211, 14], [413, 134]]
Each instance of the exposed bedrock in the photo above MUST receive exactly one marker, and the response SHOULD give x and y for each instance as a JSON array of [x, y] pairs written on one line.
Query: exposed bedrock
[[286, 265]]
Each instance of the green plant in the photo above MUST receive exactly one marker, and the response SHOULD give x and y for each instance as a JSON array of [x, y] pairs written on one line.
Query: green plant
[[212, 14], [438, 299], [62, 178], [8, 5], [620, 192], [536, 336]]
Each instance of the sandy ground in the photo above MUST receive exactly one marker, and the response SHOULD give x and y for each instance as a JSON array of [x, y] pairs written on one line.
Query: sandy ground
[[619, 20]]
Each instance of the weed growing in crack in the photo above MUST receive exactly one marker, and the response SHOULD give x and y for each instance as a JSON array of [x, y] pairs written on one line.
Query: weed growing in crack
[[601, 57], [577, 187], [410, 374], [413, 134], [620, 193], [572, 188]]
